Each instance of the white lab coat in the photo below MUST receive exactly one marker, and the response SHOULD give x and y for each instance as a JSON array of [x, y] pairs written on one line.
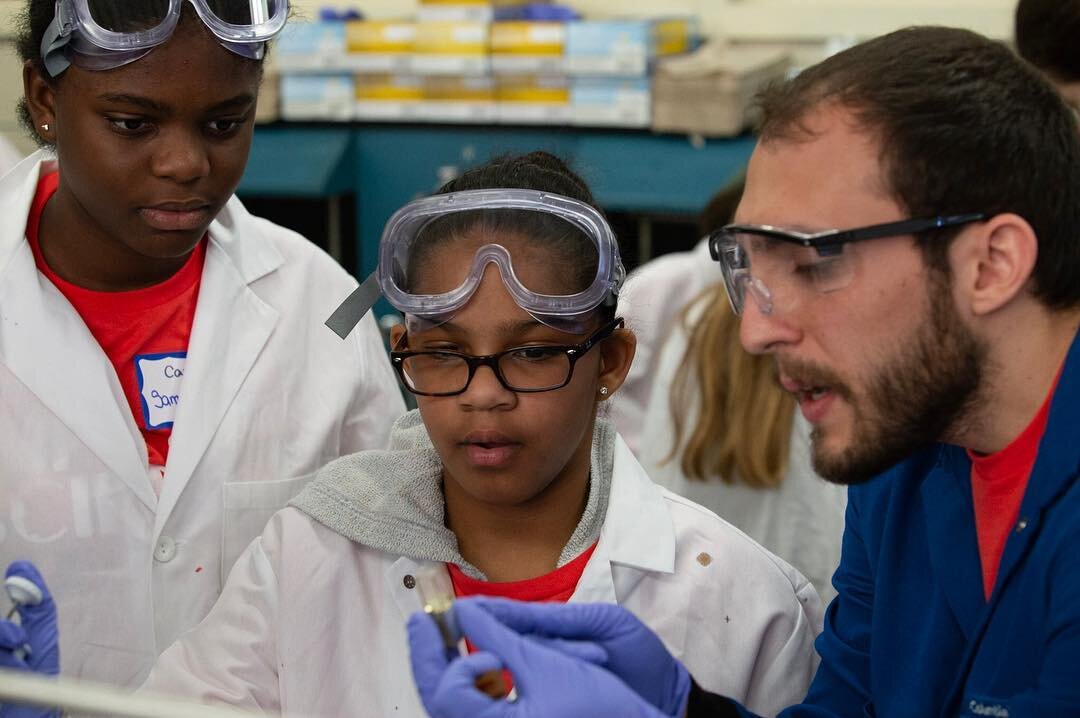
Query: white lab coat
[[269, 396], [801, 521], [650, 303], [9, 155], [313, 624]]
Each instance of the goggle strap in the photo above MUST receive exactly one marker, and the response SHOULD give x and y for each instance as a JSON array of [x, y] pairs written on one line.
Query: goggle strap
[[53, 43], [356, 305]]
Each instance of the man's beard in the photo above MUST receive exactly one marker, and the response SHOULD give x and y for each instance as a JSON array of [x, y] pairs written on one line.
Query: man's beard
[[924, 395]]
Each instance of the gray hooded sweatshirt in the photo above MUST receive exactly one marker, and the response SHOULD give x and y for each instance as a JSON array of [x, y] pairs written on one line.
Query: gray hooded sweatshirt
[[392, 500]]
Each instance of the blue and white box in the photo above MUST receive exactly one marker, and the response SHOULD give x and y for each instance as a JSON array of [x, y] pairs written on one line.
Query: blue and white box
[[625, 48], [318, 97], [310, 47], [611, 102]]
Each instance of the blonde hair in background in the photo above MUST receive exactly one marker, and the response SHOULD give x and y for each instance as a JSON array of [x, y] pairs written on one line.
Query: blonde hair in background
[[743, 428]]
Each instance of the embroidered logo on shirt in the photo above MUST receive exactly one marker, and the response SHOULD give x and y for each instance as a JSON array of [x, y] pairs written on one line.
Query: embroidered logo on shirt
[[160, 376], [987, 707]]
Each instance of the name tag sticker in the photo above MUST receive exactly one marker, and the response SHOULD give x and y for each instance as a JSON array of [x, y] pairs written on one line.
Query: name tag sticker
[[160, 376]]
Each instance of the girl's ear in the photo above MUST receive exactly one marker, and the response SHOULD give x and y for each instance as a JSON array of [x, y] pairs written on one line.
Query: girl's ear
[[616, 355], [40, 102]]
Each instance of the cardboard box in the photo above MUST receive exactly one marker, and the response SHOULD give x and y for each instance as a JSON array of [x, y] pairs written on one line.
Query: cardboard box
[[388, 97], [379, 46], [711, 92], [610, 102], [317, 97], [624, 48], [533, 99], [310, 47], [451, 48], [521, 47]]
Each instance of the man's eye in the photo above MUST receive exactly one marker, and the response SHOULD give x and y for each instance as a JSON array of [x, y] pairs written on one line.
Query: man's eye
[[819, 271]]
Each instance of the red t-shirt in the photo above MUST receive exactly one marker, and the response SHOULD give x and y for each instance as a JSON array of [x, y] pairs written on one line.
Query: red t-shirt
[[144, 332], [998, 483], [554, 587]]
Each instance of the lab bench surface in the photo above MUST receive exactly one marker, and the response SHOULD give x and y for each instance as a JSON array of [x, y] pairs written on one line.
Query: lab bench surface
[[385, 166]]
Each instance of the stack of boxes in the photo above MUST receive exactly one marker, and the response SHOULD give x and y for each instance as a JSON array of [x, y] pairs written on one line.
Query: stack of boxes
[[531, 84], [476, 62], [452, 57]]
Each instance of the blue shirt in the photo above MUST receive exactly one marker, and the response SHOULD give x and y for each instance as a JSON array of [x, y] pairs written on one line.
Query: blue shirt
[[911, 634]]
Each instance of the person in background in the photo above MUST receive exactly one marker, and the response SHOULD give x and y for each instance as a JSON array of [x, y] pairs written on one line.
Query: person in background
[[723, 433], [907, 252], [654, 295], [1048, 36], [504, 483], [166, 381]]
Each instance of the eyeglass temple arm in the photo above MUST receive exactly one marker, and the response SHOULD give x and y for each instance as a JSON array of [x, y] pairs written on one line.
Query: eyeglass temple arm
[[829, 244]]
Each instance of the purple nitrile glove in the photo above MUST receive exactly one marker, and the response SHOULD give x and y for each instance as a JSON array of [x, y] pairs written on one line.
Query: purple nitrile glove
[[634, 653], [549, 682], [33, 644]]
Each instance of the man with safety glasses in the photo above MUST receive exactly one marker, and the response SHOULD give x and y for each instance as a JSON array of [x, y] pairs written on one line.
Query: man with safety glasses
[[907, 249]]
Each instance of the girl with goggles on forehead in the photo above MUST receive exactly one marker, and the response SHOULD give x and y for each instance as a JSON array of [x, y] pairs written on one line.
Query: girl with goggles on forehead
[[504, 483], [165, 381]]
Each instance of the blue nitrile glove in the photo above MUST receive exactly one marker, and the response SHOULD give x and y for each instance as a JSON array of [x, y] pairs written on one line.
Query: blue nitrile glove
[[634, 653], [33, 644], [548, 682]]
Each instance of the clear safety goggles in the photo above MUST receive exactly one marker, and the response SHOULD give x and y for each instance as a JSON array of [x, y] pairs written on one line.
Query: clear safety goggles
[[522, 232], [103, 34], [779, 267]]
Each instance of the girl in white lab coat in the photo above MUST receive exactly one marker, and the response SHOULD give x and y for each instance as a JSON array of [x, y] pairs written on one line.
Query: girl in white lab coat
[[166, 383], [503, 483]]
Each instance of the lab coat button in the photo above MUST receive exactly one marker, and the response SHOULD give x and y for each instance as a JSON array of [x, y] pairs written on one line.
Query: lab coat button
[[165, 550], [409, 581]]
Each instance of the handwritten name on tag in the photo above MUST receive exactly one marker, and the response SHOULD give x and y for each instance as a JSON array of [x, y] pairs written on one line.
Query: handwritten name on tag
[[160, 377]]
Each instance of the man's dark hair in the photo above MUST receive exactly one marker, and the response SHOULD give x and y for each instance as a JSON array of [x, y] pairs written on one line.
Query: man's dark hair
[[1048, 36], [964, 126]]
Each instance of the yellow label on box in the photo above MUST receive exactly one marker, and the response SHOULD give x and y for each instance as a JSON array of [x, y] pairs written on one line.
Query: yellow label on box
[[389, 87], [528, 38], [383, 37], [671, 37], [530, 88], [459, 89], [451, 38]]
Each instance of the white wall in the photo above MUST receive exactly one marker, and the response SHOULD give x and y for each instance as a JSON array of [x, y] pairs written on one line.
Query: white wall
[[805, 25]]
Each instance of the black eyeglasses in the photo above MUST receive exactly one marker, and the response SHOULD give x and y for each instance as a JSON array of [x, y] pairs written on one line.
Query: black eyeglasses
[[527, 369], [830, 242]]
